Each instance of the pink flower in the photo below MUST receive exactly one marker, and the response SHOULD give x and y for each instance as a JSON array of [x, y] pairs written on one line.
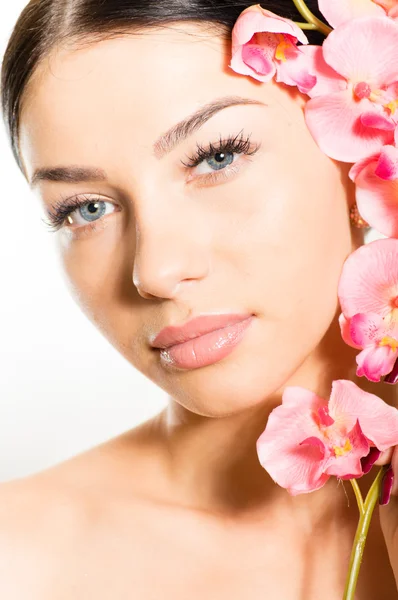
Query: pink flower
[[369, 281], [376, 179], [379, 340], [368, 294], [338, 12], [352, 111], [390, 7], [308, 439], [265, 45]]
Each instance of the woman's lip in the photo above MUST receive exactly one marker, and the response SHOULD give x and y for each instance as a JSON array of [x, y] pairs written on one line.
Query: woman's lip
[[206, 349], [169, 336]]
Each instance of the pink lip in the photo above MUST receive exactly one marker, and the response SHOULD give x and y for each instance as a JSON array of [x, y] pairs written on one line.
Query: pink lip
[[205, 349], [169, 336]]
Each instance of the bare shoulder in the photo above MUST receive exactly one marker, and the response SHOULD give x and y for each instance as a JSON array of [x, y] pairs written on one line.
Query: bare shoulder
[[49, 519], [58, 525], [41, 519]]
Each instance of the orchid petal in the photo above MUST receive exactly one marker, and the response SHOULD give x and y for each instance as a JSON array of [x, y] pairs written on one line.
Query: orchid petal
[[295, 71], [255, 19], [257, 59], [377, 120], [327, 80], [364, 50], [388, 5], [369, 279], [295, 467], [378, 421], [361, 164], [369, 460], [349, 465], [365, 328], [254, 41], [257, 55], [315, 441], [345, 326], [375, 361], [338, 12], [377, 199], [387, 167], [335, 124]]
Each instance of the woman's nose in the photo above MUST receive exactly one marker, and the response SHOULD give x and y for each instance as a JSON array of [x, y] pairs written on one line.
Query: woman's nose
[[170, 249]]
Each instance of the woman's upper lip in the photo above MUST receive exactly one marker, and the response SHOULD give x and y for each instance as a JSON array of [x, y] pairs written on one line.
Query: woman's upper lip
[[169, 336]]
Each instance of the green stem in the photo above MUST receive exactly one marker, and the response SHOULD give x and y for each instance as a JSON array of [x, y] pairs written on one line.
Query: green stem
[[358, 496], [311, 18], [360, 536], [305, 25]]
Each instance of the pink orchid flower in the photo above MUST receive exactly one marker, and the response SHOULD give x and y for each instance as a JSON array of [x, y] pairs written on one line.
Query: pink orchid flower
[[338, 12], [378, 339], [368, 287], [265, 45], [369, 281], [308, 439], [353, 108], [376, 179], [389, 6]]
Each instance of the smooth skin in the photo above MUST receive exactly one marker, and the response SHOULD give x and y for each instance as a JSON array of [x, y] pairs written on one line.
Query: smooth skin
[[179, 507]]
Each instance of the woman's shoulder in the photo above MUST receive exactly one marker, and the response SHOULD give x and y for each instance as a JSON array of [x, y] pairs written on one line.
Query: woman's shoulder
[[34, 518], [50, 517], [42, 518], [71, 487]]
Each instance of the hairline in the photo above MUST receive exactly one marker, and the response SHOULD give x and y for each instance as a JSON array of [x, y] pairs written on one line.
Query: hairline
[[81, 40]]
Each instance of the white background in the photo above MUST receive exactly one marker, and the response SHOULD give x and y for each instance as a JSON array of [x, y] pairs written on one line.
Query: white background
[[63, 387]]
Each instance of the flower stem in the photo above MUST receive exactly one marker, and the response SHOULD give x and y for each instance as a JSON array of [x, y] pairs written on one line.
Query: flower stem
[[360, 536], [311, 18], [358, 495], [305, 25]]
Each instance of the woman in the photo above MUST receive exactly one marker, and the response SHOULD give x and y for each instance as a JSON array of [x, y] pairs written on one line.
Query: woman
[[180, 189]]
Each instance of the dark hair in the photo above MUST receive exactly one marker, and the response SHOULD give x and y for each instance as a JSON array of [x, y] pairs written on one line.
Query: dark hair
[[45, 23]]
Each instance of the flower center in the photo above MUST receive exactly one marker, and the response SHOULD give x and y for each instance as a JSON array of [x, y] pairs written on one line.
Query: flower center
[[331, 434], [392, 106], [389, 341], [281, 48], [322, 417], [342, 450], [362, 90]]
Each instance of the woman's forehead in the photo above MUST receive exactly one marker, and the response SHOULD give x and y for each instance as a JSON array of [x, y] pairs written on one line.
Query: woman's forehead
[[136, 61], [135, 86]]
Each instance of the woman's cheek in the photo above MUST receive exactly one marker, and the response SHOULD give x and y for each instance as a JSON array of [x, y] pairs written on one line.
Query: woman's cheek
[[93, 264]]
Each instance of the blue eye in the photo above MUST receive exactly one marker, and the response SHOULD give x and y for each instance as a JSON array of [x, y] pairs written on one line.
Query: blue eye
[[93, 210], [78, 211], [220, 160], [221, 155]]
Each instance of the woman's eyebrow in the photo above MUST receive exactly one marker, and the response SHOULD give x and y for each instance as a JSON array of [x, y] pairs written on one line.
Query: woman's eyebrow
[[186, 127], [70, 174], [165, 144]]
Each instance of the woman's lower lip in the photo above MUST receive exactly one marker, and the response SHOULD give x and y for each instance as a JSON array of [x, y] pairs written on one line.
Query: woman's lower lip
[[205, 349]]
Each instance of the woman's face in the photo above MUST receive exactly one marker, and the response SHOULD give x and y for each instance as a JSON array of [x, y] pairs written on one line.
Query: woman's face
[[264, 233]]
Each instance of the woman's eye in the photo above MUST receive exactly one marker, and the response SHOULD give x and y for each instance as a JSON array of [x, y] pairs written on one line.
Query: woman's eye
[[89, 212], [216, 162]]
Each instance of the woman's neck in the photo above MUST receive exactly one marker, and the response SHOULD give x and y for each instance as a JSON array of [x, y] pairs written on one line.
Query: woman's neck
[[213, 464]]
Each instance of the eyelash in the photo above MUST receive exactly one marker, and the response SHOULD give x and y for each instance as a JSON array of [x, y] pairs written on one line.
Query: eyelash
[[58, 214], [233, 145], [230, 145]]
